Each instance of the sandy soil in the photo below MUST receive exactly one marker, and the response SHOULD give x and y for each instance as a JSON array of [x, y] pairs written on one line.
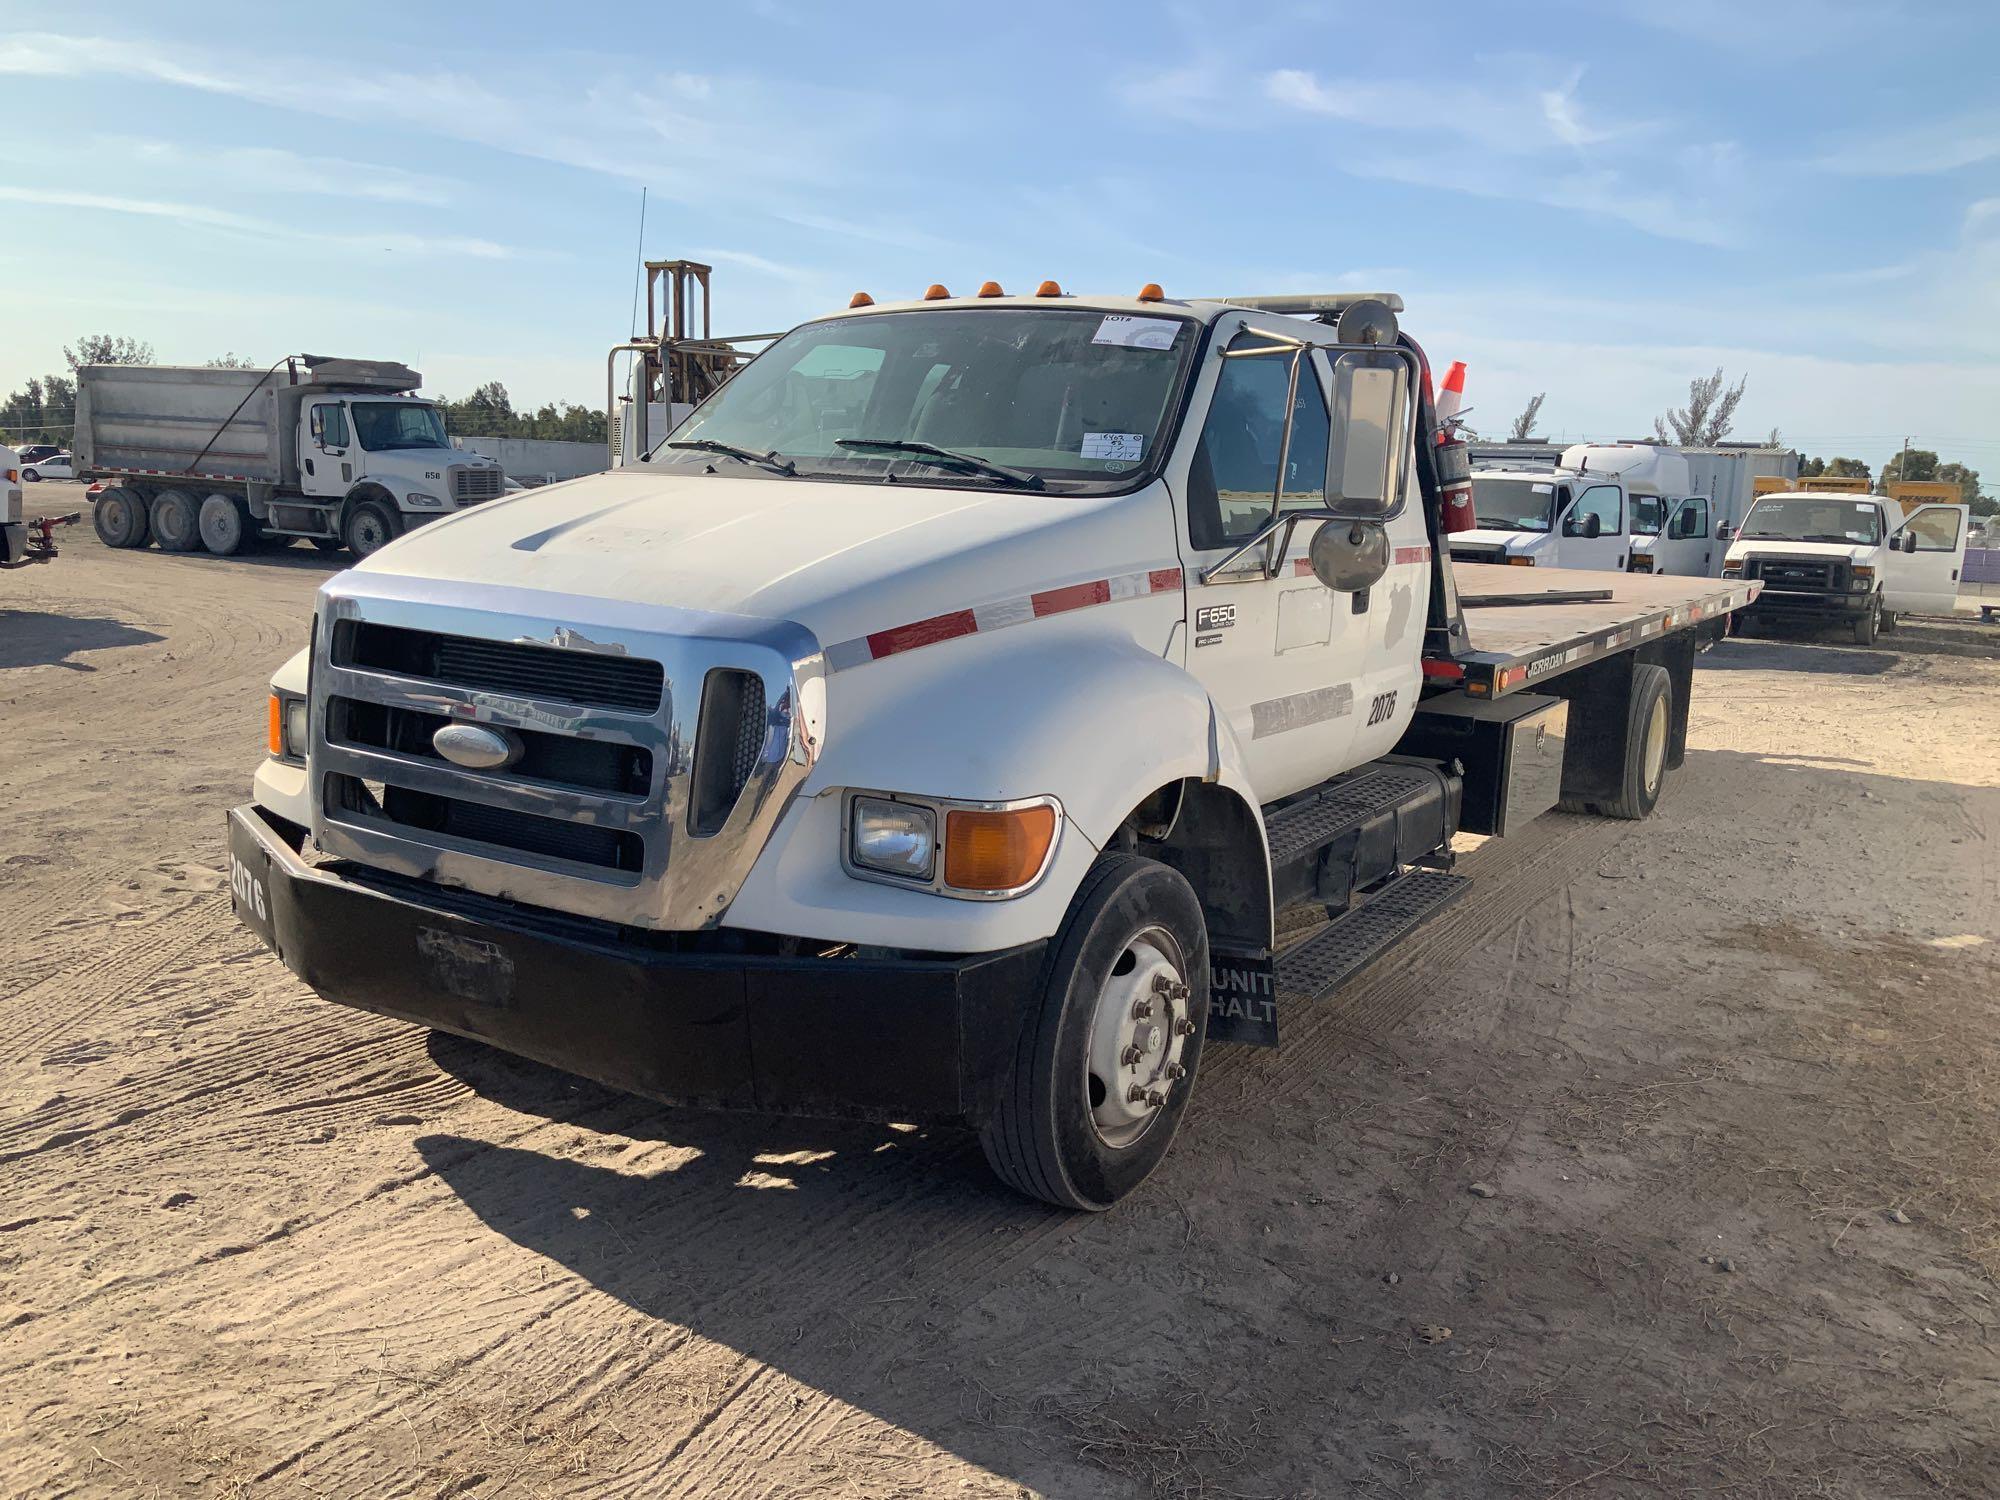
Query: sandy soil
[[1731, 1077]]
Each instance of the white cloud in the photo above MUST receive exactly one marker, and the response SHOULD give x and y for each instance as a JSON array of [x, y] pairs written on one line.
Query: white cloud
[[1926, 148], [204, 217], [272, 169]]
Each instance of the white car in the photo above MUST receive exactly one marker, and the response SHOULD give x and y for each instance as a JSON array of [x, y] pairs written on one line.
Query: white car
[[55, 466]]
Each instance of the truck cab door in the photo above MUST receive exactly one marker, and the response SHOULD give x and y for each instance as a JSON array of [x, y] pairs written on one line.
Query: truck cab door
[[1686, 546], [1608, 548], [1926, 581], [1278, 652], [326, 450]]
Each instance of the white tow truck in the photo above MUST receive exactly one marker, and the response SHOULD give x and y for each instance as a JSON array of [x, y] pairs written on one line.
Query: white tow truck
[[932, 727], [334, 450], [22, 542], [1834, 558]]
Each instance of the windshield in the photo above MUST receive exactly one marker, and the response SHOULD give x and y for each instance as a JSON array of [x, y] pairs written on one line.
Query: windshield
[[1064, 396], [1513, 504], [1802, 520], [382, 426]]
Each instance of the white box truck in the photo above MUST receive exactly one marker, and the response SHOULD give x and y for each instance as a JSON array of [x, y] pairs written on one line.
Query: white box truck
[[934, 726], [335, 450]]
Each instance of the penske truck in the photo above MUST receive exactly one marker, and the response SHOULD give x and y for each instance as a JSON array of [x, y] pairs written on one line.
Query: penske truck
[[932, 726], [338, 451]]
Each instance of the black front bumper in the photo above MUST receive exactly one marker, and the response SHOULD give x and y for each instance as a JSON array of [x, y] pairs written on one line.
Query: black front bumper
[[917, 1039], [1778, 604]]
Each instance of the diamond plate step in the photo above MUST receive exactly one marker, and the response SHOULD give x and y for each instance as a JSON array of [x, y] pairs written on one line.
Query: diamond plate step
[[1312, 823], [1349, 943]]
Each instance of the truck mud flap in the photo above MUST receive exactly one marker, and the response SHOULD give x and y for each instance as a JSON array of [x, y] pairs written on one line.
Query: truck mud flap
[[1243, 999]]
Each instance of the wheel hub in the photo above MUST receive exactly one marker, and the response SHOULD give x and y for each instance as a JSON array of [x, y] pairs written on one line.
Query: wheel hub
[[1137, 1034]]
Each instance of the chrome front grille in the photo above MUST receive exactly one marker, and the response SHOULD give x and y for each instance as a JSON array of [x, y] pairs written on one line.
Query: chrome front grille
[[1816, 574], [469, 483], [656, 748]]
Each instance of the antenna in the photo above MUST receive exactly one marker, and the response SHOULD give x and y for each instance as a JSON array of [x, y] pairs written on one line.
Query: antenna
[[639, 271]]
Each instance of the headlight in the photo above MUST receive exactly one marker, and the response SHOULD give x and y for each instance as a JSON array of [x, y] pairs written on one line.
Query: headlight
[[1642, 562], [1864, 579], [289, 722], [892, 838], [1732, 570], [422, 501], [1520, 562]]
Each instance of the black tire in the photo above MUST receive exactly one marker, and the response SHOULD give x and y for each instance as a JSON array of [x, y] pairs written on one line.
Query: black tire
[[370, 526], [1888, 621], [120, 518], [30, 476], [224, 524], [176, 521], [1045, 1138], [1649, 723], [1866, 628]]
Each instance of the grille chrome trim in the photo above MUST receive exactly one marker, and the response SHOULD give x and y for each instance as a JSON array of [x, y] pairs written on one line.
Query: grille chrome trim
[[471, 483], [684, 883]]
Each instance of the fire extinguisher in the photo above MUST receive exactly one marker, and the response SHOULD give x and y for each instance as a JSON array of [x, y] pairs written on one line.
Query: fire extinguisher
[[1454, 461]]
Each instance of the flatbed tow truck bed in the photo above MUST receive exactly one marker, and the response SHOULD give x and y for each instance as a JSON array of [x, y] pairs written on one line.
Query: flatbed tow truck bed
[[1511, 646]]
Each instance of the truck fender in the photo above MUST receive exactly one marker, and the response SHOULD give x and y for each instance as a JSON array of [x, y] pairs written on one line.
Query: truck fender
[[1099, 722], [368, 489]]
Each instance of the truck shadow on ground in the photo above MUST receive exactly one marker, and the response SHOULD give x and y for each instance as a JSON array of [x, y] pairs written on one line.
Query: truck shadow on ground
[[1781, 653], [35, 638]]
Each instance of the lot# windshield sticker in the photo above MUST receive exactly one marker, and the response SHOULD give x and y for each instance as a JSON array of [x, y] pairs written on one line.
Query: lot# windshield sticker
[[1118, 447], [1129, 332]]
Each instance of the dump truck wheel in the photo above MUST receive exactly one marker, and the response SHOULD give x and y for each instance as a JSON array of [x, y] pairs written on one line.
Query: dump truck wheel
[[224, 523], [1106, 1059], [119, 518], [370, 526], [176, 521]]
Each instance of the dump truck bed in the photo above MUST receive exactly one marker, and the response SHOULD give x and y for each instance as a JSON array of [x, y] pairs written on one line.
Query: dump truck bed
[[1526, 640]]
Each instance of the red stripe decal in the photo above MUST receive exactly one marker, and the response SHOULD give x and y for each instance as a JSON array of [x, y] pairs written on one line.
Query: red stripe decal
[[923, 633], [1076, 596], [1413, 554], [1161, 580]]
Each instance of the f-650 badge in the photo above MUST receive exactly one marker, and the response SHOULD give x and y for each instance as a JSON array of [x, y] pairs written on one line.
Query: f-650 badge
[[1215, 617]]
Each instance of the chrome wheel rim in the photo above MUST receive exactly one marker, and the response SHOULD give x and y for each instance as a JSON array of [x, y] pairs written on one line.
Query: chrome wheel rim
[[367, 535], [1138, 1031]]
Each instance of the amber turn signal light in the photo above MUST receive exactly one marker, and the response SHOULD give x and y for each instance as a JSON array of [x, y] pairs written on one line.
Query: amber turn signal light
[[1048, 289], [861, 299], [1151, 292], [936, 292], [277, 732], [996, 851], [990, 289]]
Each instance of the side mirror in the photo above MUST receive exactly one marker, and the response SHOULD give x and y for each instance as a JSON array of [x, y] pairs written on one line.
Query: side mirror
[[1593, 526], [1349, 556], [1724, 532], [1366, 444], [1909, 541]]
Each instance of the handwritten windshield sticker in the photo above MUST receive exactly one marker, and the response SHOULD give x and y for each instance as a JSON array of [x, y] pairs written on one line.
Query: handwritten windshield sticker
[[1119, 447]]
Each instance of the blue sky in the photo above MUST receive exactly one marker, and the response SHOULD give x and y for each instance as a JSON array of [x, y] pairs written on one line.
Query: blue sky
[[1598, 200]]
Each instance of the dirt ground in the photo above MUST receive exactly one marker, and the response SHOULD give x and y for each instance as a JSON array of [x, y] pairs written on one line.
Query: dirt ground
[[1731, 1077]]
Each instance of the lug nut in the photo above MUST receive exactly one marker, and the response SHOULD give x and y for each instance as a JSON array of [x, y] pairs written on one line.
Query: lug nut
[[1184, 1026], [1130, 1056], [1136, 1094], [1163, 984], [1176, 1072], [1156, 1098], [1142, 1010]]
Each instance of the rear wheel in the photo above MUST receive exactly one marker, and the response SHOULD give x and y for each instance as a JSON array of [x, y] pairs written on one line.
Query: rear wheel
[[1649, 723], [119, 518], [370, 527], [30, 475], [176, 521], [224, 523], [1106, 1061]]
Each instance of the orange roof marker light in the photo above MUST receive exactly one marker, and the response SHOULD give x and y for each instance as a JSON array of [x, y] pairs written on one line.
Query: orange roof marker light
[[1151, 292], [1048, 289], [937, 291], [861, 299], [990, 289]]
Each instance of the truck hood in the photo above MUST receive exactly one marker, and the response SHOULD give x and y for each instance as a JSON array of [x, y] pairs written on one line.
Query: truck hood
[[1512, 541], [1777, 547], [842, 559]]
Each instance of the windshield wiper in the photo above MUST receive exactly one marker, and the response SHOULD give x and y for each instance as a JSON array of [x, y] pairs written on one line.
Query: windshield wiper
[[944, 457], [742, 455]]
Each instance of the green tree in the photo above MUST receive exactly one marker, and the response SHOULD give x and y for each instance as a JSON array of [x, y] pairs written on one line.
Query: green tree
[[231, 362], [1524, 425], [108, 349], [1966, 479], [1709, 415], [1911, 463], [1845, 468], [1811, 468]]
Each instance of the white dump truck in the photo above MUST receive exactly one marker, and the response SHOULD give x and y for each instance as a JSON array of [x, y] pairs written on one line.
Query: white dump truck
[[339, 451], [1855, 562], [932, 728]]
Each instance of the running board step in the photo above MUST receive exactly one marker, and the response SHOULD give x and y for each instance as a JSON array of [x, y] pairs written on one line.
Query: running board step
[[1244, 987], [1353, 940]]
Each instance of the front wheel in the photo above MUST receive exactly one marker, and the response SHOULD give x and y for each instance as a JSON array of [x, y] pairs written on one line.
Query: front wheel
[[30, 475], [1106, 1059], [370, 527], [1868, 625]]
